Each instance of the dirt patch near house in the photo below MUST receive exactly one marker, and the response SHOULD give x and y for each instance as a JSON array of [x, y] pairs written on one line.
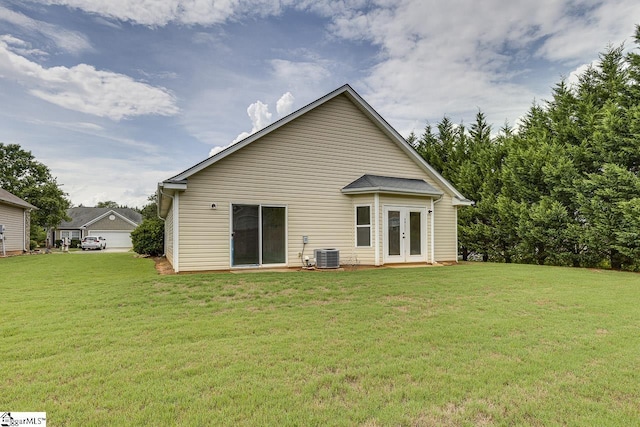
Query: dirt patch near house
[[163, 266]]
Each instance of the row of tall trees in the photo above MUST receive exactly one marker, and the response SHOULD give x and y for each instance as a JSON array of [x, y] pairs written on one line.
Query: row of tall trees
[[562, 187]]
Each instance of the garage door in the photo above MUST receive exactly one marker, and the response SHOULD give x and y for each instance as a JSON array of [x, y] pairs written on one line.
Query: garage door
[[115, 239]]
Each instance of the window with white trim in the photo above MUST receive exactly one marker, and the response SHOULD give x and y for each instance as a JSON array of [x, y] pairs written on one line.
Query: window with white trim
[[363, 226], [70, 234]]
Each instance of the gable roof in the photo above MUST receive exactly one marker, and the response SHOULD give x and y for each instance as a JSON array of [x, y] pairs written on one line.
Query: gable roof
[[387, 184], [179, 181], [14, 200], [84, 216]]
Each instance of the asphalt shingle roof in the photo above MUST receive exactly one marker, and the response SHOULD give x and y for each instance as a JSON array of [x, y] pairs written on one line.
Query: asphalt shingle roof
[[12, 199], [81, 216], [377, 183]]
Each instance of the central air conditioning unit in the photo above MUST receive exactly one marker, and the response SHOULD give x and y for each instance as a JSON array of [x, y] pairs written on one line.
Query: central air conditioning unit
[[327, 258]]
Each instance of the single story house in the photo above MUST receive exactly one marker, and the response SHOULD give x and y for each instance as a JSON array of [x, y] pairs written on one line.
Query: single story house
[[15, 223], [114, 224], [332, 175]]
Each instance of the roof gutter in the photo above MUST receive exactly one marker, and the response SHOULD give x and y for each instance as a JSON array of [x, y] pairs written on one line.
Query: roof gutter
[[462, 202], [382, 190], [161, 194], [175, 185]]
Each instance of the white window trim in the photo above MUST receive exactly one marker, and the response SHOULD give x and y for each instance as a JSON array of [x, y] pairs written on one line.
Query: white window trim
[[370, 225], [69, 234]]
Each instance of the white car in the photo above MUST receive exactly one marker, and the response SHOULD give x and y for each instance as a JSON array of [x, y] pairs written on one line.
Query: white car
[[93, 242]]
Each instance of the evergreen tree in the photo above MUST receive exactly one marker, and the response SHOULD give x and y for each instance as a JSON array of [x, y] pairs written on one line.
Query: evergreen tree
[[564, 188], [607, 199]]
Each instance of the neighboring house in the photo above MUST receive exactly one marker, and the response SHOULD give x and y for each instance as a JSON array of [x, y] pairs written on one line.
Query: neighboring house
[[114, 224], [333, 174], [15, 216]]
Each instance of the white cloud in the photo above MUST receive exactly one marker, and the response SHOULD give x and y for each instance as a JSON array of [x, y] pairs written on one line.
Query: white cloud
[[83, 88], [296, 73], [217, 149], [574, 76], [136, 179], [69, 41], [453, 57], [260, 117], [578, 37], [21, 47], [202, 12], [284, 105], [162, 12]]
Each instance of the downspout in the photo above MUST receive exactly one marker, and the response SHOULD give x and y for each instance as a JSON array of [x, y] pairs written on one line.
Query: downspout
[[24, 233], [376, 236], [175, 246], [456, 213], [433, 228]]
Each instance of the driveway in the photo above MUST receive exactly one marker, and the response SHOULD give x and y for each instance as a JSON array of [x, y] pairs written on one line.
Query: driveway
[[108, 250]]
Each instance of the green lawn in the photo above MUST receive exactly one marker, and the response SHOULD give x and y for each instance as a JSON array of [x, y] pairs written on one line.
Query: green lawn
[[103, 340]]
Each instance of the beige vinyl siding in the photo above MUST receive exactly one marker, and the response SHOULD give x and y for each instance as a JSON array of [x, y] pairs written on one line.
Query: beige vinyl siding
[[107, 224], [303, 166], [446, 230], [168, 236], [13, 219]]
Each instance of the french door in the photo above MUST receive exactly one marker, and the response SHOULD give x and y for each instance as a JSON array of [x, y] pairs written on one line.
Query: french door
[[258, 235], [405, 234]]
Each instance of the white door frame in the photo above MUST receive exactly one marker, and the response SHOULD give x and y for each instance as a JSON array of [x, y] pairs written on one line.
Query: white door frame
[[260, 236], [405, 236]]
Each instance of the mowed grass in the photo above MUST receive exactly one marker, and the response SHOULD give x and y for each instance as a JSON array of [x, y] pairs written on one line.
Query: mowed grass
[[101, 339]]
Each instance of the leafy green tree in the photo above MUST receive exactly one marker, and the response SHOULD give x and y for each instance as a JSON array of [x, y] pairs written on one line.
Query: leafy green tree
[[150, 210], [32, 181], [148, 237], [107, 204]]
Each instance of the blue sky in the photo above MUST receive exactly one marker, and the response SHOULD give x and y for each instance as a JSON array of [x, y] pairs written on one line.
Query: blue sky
[[117, 95]]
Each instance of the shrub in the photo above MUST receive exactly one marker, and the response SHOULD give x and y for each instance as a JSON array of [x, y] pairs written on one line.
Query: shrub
[[148, 237], [33, 244]]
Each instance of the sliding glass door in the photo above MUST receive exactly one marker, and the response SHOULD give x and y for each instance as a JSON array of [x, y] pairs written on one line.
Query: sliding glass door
[[245, 237], [258, 235]]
